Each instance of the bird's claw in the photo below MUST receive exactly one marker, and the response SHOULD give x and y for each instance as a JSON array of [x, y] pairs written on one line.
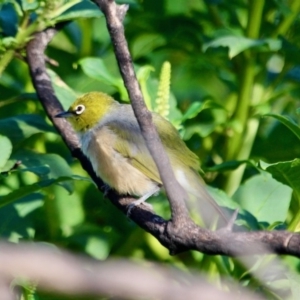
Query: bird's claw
[[136, 203]]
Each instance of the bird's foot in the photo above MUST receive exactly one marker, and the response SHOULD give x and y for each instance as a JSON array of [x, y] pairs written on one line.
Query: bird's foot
[[142, 200], [136, 203]]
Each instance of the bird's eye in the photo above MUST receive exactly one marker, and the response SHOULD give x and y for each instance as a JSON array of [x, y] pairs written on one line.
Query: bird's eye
[[79, 109]]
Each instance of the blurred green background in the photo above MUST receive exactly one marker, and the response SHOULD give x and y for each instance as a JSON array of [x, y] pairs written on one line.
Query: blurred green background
[[233, 69]]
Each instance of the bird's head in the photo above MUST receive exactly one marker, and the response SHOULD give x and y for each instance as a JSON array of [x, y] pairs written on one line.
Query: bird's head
[[88, 110]]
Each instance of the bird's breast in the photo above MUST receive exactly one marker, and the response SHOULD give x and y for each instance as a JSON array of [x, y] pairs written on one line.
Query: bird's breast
[[111, 166]]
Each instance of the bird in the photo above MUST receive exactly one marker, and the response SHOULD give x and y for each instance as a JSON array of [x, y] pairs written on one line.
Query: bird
[[111, 139]]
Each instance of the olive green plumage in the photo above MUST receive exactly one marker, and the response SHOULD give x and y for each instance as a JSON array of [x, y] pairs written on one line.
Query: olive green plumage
[[111, 138]]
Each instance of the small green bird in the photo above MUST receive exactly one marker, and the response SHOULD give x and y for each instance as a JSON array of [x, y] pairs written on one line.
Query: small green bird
[[111, 138]]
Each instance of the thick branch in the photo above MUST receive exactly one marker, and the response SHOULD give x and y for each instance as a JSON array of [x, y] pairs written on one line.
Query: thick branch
[[188, 236], [60, 272]]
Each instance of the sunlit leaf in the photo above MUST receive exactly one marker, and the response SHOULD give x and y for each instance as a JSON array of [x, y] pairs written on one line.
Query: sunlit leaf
[[97, 247], [238, 44], [6, 148], [143, 74], [95, 68], [29, 4], [287, 172], [10, 163], [63, 92], [25, 208], [46, 166], [264, 197]]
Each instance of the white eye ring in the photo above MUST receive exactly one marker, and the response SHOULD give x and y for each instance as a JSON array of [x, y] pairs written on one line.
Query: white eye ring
[[79, 109]]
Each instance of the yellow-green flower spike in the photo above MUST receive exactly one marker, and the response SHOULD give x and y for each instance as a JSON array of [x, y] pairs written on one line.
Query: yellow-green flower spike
[[162, 105]]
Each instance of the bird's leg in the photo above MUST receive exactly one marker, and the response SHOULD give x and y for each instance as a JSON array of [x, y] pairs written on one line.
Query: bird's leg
[[142, 200]]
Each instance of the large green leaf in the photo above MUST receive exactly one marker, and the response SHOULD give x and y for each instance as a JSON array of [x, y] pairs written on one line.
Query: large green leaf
[[287, 172], [21, 127], [264, 197], [289, 123], [95, 68], [6, 148], [238, 44], [46, 166]]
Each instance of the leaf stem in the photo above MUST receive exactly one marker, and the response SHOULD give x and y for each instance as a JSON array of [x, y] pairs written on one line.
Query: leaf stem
[[5, 59]]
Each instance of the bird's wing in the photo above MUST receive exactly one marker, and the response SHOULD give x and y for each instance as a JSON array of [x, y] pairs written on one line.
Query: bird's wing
[[131, 145]]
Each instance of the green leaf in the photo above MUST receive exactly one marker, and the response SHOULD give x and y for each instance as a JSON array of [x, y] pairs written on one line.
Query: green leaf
[[8, 165], [289, 123], [196, 107], [97, 247], [63, 92], [143, 74], [8, 19], [244, 218], [146, 43], [25, 208], [202, 129], [287, 173], [16, 218], [238, 44], [84, 9], [46, 166], [30, 189], [21, 127], [222, 198], [95, 68], [29, 5], [6, 149], [262, 194]]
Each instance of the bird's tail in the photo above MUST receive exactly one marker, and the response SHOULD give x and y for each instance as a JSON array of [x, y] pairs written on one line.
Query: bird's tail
[[202, 202]]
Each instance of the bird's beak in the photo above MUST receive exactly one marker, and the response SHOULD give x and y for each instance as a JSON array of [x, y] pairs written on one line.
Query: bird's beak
[[64, 114]]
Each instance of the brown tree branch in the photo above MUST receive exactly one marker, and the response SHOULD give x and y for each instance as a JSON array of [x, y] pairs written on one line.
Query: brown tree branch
[[59, 272], [188, 236]]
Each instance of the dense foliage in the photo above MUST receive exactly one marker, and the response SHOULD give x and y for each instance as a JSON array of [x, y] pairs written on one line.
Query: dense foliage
[[234, 72]]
